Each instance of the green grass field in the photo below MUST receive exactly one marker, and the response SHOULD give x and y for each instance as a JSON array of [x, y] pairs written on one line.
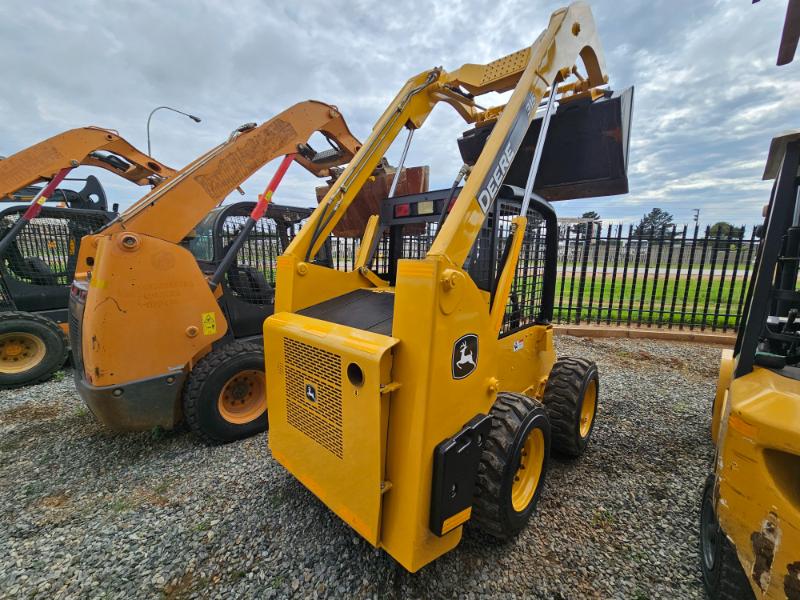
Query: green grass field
[[688, 302]]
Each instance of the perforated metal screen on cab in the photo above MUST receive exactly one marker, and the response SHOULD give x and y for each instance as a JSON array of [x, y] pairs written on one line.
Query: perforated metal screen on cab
[[45, 251]]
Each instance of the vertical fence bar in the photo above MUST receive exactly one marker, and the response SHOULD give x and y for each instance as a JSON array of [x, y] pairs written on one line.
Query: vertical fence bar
[[664, 288], [563, 273], [721, 287], [677, 279], [635, 274], [643, 292], [625, 273], [699, 283], [710, 281], [594, 272], [736, 259], [603, 278], [687, 287], [611, 300], [651, 311], [572, 277], [584, 266], [745, 277]]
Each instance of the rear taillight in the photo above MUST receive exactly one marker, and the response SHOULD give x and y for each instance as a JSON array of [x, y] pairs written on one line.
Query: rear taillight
[[402, 210], [78, 292]]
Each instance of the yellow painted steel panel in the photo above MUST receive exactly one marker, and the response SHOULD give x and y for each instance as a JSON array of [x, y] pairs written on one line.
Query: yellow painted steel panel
[[328, 413]]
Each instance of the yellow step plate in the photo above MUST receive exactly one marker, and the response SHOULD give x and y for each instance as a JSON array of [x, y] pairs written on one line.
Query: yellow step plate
[[327, 396]]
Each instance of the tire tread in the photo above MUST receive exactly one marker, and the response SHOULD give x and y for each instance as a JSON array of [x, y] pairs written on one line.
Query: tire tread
[[11, 315], [508, 412], [192, 392], [562, 400]]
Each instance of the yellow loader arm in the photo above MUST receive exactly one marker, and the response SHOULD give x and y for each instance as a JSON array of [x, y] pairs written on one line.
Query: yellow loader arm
[[530, 72], [87, 146]]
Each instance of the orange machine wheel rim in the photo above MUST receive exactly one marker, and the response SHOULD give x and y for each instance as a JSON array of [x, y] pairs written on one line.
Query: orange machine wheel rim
[[588, 408], [526, 479], [243, 397], [20, 352]]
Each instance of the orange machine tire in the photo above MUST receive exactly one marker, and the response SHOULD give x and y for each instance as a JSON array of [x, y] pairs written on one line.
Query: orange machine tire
[[32, 349], [513, 466], [225, 395], [570, 397]]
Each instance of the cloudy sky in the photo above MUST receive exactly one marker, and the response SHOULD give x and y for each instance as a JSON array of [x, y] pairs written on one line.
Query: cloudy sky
[[708, 94]]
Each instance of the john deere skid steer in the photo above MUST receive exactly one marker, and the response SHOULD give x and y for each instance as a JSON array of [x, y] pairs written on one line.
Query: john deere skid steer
[[39, 243], [420, 390]]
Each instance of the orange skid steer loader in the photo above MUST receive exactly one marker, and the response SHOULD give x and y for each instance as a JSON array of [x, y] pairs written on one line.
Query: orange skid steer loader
[[168, 300], [420, 391]]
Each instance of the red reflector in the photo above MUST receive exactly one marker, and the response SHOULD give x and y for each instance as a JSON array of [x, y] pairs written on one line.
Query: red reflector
[[402, 210]]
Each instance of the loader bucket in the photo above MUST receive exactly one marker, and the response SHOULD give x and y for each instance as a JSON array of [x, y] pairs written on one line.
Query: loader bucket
[[585, 154]]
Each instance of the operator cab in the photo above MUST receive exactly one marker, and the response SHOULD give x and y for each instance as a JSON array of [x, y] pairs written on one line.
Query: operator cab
[[39, 264], [249, 284], [409, 224]]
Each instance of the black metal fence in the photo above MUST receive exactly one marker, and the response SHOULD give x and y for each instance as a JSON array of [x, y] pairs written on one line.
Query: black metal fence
[[673, 277]]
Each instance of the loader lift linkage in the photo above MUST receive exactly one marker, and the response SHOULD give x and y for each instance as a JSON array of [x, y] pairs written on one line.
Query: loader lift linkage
[[420, 390]]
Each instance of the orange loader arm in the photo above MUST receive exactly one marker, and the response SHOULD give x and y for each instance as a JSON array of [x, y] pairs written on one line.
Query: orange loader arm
[[87, 146], [172, 210]]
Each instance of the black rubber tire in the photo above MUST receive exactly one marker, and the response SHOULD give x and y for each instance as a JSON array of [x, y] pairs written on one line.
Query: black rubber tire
[[514, 416], [563, 400], [56, 347], [205, 383], [724, 577]]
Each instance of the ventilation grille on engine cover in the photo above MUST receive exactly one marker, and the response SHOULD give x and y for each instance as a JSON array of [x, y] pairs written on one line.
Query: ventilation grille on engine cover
[[321, 418]]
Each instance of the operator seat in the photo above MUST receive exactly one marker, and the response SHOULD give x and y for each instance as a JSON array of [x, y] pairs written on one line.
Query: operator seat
[[249, 283]]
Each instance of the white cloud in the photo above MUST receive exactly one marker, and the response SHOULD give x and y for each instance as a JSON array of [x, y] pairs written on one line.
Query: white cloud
[[708, 95]]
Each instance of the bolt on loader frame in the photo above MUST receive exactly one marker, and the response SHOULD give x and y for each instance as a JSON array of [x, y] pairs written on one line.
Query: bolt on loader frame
[[169, 299], [406, 393], [750, 515], [39, 244]]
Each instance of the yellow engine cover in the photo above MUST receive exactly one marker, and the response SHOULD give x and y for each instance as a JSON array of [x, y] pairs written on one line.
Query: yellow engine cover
[[328, 400]]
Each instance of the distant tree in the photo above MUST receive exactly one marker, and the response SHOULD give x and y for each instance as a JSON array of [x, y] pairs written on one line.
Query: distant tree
[[591, 216], [725, 229], [654, 221]]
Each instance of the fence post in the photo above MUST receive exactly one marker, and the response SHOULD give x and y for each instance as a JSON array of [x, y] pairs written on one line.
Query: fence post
[[584, 267]]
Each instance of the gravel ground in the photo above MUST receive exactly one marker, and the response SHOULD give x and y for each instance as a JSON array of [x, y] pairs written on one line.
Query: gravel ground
[[88, 513]]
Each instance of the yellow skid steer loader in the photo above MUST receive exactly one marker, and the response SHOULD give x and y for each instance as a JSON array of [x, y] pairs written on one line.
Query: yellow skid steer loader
[[420, 390]]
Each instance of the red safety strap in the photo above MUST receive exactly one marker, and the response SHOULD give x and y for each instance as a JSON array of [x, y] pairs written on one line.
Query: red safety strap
[[265, 198], [36, 204]]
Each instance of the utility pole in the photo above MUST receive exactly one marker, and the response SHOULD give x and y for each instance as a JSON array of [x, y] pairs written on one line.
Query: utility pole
[[696, 212]]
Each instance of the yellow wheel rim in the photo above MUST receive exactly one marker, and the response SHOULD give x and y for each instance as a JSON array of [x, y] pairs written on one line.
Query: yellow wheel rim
[[588, 408], [243, 397], [20, 352], [526, 479]]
